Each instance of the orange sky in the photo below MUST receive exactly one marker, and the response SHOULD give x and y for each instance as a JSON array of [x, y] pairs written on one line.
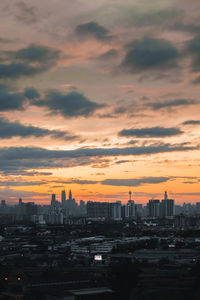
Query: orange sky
[[101, 97]]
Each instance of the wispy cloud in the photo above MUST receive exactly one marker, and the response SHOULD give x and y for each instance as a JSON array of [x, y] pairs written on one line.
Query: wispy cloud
[[150, 132]]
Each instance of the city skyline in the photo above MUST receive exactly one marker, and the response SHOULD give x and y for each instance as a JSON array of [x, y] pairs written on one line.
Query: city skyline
[[66, 210], [62, 197], [101, 98]]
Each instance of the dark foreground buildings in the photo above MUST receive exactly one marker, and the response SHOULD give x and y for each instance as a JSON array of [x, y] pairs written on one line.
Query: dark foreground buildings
[[99, 250]]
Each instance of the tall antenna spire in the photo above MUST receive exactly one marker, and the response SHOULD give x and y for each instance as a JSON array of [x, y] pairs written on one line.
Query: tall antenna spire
[[130, 193], [70, 195]]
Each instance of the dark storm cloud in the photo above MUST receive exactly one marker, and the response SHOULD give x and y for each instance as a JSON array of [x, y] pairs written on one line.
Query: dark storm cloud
[[10, 100], [194, 49], [125, 108], [69, 105], [32, 173], [15, 70], [19, 172], [28, 61], [135, 182], [15, 129], [93, 30], [180, 26], [81, 182], [148, 54], [191, 122], [41, 153], [31, 93], [25, 158], [78, 181], [37, 54], [21, 183], [172, 103], [112, 53], [151, 132]]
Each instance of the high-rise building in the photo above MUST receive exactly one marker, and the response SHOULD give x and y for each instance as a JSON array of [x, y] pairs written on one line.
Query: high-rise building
[[98, 209], [70, 195], [130, 211], [20, 206], [167, 207], [139, 209], [63, 199], [3, 203], [82, 208], [198, 208], [3, 206], [116, 210], [30, 209], [71, 205], [154, 208], [53, 199]]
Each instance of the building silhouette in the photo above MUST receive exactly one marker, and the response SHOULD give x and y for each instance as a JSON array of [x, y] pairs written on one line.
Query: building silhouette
[[167, 207], [154, 208]]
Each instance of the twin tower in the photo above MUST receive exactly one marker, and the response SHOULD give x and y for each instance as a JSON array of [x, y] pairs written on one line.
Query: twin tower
[[64, 201], [63, 197]]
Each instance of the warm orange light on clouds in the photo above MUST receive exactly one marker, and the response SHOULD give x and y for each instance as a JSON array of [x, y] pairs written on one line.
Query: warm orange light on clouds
[[100, 97]]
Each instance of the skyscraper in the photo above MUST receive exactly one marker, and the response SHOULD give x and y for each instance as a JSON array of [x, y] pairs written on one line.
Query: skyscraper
[[167, 207], [154, 208], [63, 199], [98, 209], [130, 209], [53, 199], [70, 195], [116, 210]]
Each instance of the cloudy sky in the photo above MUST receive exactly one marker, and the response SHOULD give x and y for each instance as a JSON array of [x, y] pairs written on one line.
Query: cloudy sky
[[101, 97]]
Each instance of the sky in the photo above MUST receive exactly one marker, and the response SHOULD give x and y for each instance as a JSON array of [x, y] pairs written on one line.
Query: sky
[[100, 97]]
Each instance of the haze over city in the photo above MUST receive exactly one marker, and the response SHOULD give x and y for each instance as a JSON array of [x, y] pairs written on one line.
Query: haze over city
[[100, 97]]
